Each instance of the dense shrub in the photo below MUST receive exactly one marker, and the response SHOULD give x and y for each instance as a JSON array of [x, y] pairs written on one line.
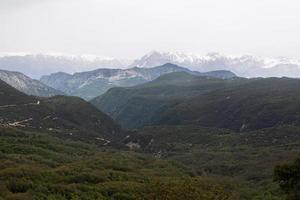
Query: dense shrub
[[288, 178]]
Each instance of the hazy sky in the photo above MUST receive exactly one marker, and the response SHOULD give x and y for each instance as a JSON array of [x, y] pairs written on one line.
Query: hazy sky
[[130, 28]]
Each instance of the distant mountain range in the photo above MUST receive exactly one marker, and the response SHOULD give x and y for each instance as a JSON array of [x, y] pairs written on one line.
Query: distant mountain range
[[111, 72], [27, 85], [36, 65], [94, 83], [244, 66]]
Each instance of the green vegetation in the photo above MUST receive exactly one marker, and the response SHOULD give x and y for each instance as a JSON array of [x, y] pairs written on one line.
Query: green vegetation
[[37, 166], [250, 155]]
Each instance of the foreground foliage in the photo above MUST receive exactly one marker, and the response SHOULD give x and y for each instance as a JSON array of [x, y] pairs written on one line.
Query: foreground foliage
[[36, 166], [288, 177]]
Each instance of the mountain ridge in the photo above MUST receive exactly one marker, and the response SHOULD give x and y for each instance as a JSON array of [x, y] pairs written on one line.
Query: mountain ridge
[[91, 84]]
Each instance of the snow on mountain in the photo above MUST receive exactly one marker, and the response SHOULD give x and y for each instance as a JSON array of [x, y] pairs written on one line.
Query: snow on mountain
[[27, 85], [242, 65], [36, 65]]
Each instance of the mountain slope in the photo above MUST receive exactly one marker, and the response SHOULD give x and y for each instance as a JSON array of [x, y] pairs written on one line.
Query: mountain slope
[[179, 98], [27, 85], [94, 83], [69, 117], [219, 151]]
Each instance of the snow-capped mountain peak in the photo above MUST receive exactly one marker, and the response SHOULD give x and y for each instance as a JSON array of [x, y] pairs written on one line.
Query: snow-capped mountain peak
[[36, 65], [242, 65]]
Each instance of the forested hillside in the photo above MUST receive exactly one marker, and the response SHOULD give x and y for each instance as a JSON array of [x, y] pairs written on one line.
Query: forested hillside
[[179, 98]]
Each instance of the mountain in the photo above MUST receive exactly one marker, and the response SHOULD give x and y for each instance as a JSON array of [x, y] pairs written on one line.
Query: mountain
[[179, 98], [27, 85], [36, 65], [94, 83], [243, 66], [69, 117]]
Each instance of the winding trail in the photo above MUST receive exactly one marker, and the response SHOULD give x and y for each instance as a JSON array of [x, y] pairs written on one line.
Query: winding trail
[[19, 123], [7, 106], [27, 104]]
